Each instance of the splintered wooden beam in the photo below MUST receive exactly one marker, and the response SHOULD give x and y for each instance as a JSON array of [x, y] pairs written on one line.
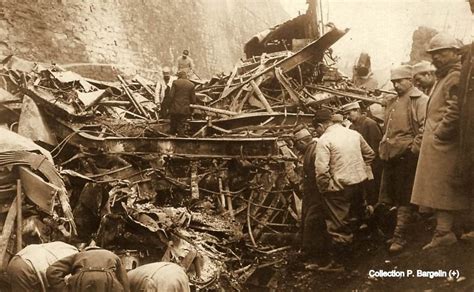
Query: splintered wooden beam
[[232, 76], [213, 110], [6, 233], [19, 217], [261, 97], [129, 94]]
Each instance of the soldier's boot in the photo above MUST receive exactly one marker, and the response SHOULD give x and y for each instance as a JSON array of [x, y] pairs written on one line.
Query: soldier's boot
[[443, 235], [399, 239]]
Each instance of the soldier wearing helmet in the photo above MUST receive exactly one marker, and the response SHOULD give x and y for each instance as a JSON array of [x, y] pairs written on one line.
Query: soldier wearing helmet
[[424, 77], [438, 180]]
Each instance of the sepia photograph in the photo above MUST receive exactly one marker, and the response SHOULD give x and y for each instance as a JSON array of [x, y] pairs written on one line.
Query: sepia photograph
[[236, 145]]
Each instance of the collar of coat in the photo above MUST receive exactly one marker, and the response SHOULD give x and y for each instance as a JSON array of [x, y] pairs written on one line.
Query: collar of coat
[[443, 71], [414, 93]]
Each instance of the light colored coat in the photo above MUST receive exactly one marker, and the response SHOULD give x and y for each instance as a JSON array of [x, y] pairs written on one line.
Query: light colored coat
[[342, 158], [40, 256], [162, 276], [437, 181]]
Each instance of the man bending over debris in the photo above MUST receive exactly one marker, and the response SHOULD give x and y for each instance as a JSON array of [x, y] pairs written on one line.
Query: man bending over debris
[[94, 269], [181, 96], [162, 276], [342, 158], [27, 269]]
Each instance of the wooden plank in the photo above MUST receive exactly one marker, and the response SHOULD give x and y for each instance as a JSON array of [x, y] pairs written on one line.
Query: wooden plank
[[213, 110], [345, 94], [19, 217], [6, 233], [261, 97], [129, 94], [231, 78]]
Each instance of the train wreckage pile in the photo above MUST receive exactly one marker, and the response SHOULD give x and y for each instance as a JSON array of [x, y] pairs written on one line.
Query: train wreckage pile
[[102, 166]]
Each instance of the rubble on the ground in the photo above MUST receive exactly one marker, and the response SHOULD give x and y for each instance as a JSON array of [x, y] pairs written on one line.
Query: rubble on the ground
[[205, 201]]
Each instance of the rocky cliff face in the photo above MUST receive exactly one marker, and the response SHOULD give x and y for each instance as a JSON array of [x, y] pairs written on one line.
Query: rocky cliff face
[[140, 35]]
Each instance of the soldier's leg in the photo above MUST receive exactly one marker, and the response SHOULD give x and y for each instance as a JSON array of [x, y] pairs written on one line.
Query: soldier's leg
[[443, 234], [173, 124], [181, 125], [405, 176], [337, 207]]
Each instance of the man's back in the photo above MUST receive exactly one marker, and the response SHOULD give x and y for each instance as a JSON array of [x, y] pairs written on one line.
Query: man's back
[[340, 156], [42, 255], [182, 95], [37, 257], [161, 276]]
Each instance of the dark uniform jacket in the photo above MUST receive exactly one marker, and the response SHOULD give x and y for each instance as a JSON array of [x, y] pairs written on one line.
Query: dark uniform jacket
[[370, 130], [92, 270], [372, 133], [312, 217], [404, 122], [181, 96]]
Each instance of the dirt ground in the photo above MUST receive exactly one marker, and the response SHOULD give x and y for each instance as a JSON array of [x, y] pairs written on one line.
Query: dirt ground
[[370, 253]]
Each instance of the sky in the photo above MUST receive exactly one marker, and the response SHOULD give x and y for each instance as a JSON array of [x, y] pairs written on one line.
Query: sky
[[384, 28]]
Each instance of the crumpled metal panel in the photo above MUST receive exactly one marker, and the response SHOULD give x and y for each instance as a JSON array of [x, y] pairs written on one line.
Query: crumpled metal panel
[[37, 190], [33, 125], [11, 141], [6, 97]]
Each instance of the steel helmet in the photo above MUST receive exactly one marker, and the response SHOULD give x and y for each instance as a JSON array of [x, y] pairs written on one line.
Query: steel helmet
[[442, 41]]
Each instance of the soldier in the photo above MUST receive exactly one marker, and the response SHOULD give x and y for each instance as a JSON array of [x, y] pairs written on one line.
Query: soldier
[[27, 269], [312, 223], [362, 75], [94, 269], [181, 96], [424, 77], [399, 148], [370, 130], [342, 156], [185, 63], [438, 181], [162, 276], [163, 92]]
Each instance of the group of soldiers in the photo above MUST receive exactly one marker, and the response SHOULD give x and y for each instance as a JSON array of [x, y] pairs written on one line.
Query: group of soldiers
[[410, 165], [58, 266]]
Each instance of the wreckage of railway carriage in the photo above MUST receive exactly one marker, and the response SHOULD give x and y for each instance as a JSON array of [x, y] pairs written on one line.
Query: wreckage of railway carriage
[[84, 159]]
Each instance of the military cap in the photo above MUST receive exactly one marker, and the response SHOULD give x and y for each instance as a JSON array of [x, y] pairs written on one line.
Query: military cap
[[401, 72], [350, 106], [322, 116]]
